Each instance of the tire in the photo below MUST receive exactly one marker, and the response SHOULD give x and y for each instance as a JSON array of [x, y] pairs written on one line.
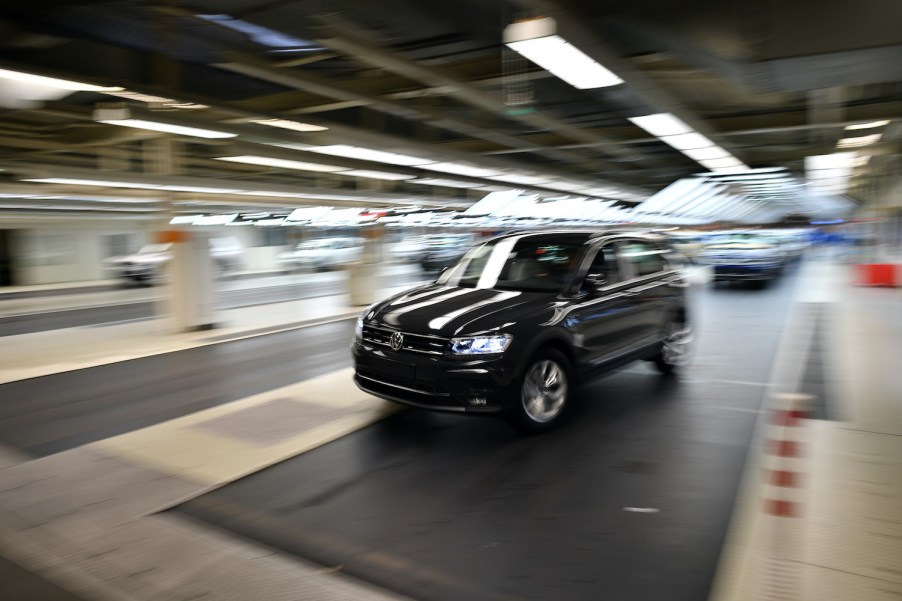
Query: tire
[[677, 346], [544, 392]]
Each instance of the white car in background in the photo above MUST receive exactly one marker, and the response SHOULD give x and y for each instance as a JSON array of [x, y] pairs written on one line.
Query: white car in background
[[792, 242], [149, 263], [322, 254], [409, 250]]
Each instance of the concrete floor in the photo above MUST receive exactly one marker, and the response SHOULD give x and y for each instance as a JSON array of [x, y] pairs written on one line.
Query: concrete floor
[[155, 458]]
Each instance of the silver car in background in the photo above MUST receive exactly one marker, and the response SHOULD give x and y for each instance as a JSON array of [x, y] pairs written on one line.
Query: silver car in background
[[149, 263], [322, 254]]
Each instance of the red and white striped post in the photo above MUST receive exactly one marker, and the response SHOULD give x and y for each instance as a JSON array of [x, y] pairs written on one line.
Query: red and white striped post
[[783, 474]]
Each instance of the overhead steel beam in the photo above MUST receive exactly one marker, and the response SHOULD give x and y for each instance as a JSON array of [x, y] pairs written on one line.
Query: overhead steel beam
[[346, 38], [309, 83]]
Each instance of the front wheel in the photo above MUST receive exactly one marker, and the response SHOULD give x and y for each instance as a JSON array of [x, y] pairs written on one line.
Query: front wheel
[[676, 347], [544, 392]]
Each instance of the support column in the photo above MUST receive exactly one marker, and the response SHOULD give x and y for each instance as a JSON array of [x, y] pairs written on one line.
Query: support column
[[191, 294], [362, 282], [188, 276]]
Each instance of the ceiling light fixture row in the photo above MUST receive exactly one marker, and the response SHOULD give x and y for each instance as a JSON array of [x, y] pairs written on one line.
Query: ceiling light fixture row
[[589, 73], [123, 117], [537, 40], [674, 132], [111, 183]]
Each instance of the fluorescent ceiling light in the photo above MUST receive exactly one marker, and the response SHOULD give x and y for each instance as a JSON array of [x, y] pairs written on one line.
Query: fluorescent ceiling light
[[302, 195], [304, 166], [691, 141], [450, 183], [151, 99], [93, 182], [377, 174], [704, 154], [288, 124], [718, 164], [52, 82], [661, 124], [199, 189], [526, 180], [858, 141], [566, 186], [537, 40], [175, 188], [676, 133], [281, 163], [461, 169], [870, 125], [741, 176], [368, 154], [169, 128]]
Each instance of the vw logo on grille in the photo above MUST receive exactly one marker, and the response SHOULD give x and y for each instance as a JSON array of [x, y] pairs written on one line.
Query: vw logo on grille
[[397, 339]]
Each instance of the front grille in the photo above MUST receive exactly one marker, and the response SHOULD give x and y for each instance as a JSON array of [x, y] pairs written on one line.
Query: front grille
[[415, 343], [410, 384]]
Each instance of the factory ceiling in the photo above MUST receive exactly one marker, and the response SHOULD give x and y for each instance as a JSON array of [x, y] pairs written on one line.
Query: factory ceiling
[[412, 103]]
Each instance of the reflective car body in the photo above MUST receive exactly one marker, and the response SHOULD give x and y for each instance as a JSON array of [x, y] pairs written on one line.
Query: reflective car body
[[742, 256], [465, 343]]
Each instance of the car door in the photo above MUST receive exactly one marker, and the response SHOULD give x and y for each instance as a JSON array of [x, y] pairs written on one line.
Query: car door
[[599, 316], [648, 279]]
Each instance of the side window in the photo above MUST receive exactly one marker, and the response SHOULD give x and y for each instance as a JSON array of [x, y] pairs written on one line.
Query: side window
[[604, 265], [644, 258]]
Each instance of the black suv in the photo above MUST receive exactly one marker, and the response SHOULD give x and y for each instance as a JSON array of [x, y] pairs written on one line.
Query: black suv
[[511, 327]]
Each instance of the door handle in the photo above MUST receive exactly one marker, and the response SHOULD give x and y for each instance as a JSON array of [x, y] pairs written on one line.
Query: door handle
[[629, 293]]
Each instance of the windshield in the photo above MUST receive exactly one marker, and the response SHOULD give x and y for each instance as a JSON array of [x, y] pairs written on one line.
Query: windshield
[[524, 264]]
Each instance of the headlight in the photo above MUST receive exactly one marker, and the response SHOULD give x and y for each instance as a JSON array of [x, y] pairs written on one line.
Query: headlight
[[480, 345], [358, 327]]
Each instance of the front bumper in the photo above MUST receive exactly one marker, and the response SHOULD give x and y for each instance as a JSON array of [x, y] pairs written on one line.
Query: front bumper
[[746, 271], [431, 382], [138, 272]]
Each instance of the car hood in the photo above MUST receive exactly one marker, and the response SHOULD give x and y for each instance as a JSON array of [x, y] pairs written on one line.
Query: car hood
[[449, 311]]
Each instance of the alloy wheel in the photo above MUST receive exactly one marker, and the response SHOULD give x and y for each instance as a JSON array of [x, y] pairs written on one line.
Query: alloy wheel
[[544, 391]]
